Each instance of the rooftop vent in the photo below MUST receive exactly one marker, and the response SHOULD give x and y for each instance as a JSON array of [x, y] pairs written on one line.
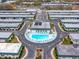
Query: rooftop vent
[[38, 23]]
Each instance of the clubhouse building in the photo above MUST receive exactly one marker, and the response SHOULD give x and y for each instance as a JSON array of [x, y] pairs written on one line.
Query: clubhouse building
[[40, 27], [40, 32]]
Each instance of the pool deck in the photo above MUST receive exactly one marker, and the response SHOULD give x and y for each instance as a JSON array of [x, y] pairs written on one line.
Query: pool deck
[[43, 37]]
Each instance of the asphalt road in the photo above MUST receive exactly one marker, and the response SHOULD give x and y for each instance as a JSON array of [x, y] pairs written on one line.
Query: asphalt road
[[46, 46]]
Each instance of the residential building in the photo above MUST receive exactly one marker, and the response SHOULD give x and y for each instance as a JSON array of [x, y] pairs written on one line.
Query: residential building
[[74, 37], [10, 26], [17, 14], [63, 14], [71, 26], [6, 0], [70, 20], [2, 1], [38, 0], [13, 19], [67, 52], [5, 36], [12, 50]]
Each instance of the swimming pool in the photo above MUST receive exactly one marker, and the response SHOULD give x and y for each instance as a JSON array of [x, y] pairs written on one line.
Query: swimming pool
[[40, 36]]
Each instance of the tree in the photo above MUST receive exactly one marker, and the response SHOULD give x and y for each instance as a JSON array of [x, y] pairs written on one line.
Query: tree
[[13, 36], [9, 57], [37, 2], [48, 0], [55, 53], [5, 57], [67, 40]]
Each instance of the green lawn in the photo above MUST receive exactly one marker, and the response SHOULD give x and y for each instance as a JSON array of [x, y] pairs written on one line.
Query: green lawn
[[67, 40], [13, 39], [39, 57], [55, 53]]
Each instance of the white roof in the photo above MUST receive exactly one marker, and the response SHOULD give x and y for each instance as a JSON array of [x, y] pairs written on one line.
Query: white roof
[[67, 50], [63, 11], [10, 20], [10, 2], [9, 24], [10, 47], [32, 10], [74, 36], [70, 20], [15, 15], [5, 35], [63, 15], [70, 25], [17, 11], [54, 4], [44, 25], [59, 3]]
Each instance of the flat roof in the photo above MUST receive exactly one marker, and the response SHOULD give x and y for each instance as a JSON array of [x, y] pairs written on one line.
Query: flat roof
[[11, 20], [74, 36], [17, 11], [54, 4], [67, 50], [8, 25], [59, 3], [10, 2], [63, 11], [28, 13], [71, 25], [70, 20], [44, 25], [5, 35], [8, 48], [63, 16], [16, 15]]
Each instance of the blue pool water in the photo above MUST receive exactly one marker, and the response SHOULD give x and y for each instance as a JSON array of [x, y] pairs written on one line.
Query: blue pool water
[[40, 36]]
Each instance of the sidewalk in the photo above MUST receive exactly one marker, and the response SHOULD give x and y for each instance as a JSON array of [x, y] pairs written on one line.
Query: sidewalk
[[53, 57], [60, 28], [25, 54], [24, 48]]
